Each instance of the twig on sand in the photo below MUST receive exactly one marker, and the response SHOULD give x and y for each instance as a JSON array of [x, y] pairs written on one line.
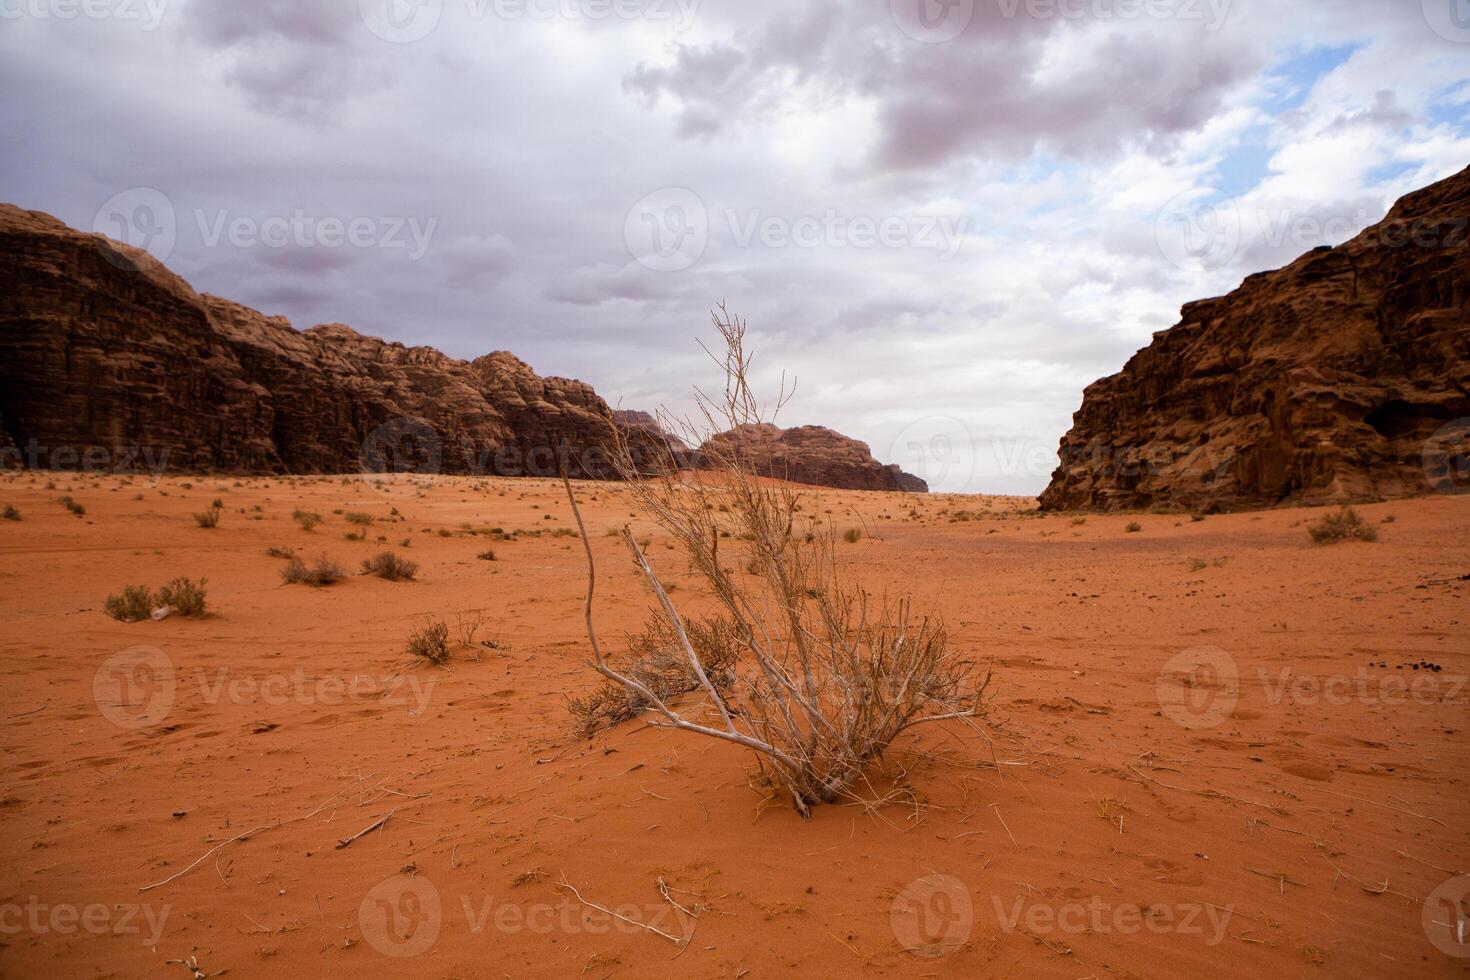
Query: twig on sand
[[1386, 806], [1280, 878], [381, 821], [200, 860], [996, 807], [632, 922]]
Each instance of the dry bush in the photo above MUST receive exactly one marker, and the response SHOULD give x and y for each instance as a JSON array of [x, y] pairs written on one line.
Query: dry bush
[[430, 642], [385, 564], [184, 596], [275, 552], [210, 517], [1346, 525], [828, 674], [134, 604], [656, 659], [1133, 527], [307, 519], [10, 513], [358, 518], [852, 535], [324, 572], [73, 506]]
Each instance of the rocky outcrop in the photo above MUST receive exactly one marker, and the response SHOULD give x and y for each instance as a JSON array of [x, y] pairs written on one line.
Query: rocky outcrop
[[110, 361], [1345, 375], [811, 454]]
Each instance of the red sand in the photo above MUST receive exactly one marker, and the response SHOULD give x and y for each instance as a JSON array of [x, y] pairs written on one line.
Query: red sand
[[1292, 829]]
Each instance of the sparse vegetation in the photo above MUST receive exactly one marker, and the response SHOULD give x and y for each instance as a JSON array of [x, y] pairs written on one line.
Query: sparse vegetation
[[186, 597], [487, 555], [275, 552], [657, 660], [430, 642], [385, 564], [135, 603], [307, 519], [852, 535], [358, 519], [1133, 527], [832, 673], [210, 517], [1345, 525], [324, 571], [10, 513], [73, 506]]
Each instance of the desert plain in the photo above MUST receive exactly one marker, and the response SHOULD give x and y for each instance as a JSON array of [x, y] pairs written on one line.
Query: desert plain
[[1212, 747]]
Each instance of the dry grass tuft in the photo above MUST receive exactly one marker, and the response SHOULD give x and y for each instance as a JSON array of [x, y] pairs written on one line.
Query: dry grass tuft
[[385, 564], [1346, 525], [185, 596], [210, 517], [324, 572], [10, 513], [656, 660], [430, 643], [307, 519], [135, 603]]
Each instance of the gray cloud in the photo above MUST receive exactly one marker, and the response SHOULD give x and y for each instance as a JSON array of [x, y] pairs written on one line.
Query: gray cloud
[[526, 143]]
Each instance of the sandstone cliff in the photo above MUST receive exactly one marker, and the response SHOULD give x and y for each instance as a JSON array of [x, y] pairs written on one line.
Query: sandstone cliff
[[110, 361], [814, 455], [1327, 380]]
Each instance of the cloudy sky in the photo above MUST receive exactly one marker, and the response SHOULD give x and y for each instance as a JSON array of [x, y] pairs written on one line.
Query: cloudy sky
[[943, 217]]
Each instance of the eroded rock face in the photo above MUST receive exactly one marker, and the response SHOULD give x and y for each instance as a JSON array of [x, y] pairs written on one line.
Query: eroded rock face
[[814, 455], [1345, 375], [110, 361]]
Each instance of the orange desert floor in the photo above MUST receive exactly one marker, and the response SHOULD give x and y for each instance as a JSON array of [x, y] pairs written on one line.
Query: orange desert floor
[[1208, 750]]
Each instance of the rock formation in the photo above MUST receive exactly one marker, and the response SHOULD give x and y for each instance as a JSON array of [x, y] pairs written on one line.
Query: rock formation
[[110, 361], [814, 455], [1345, 375]]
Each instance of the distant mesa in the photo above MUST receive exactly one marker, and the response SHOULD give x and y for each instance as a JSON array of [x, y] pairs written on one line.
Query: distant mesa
[[814, 455], [1323, 381]]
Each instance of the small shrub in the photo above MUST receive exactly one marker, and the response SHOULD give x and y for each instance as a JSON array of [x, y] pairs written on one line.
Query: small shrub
[[430, 643], [385, 564], [307, 519], [134, 604], [185, 596], [1196, 518], [852, 535], [359, 518], [1134, 527], [10, 513], [323, 572], [210, 517], [1078, 521], [280, 552], [658, 663], [486, 555], [73, 506], [1346, 525]]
